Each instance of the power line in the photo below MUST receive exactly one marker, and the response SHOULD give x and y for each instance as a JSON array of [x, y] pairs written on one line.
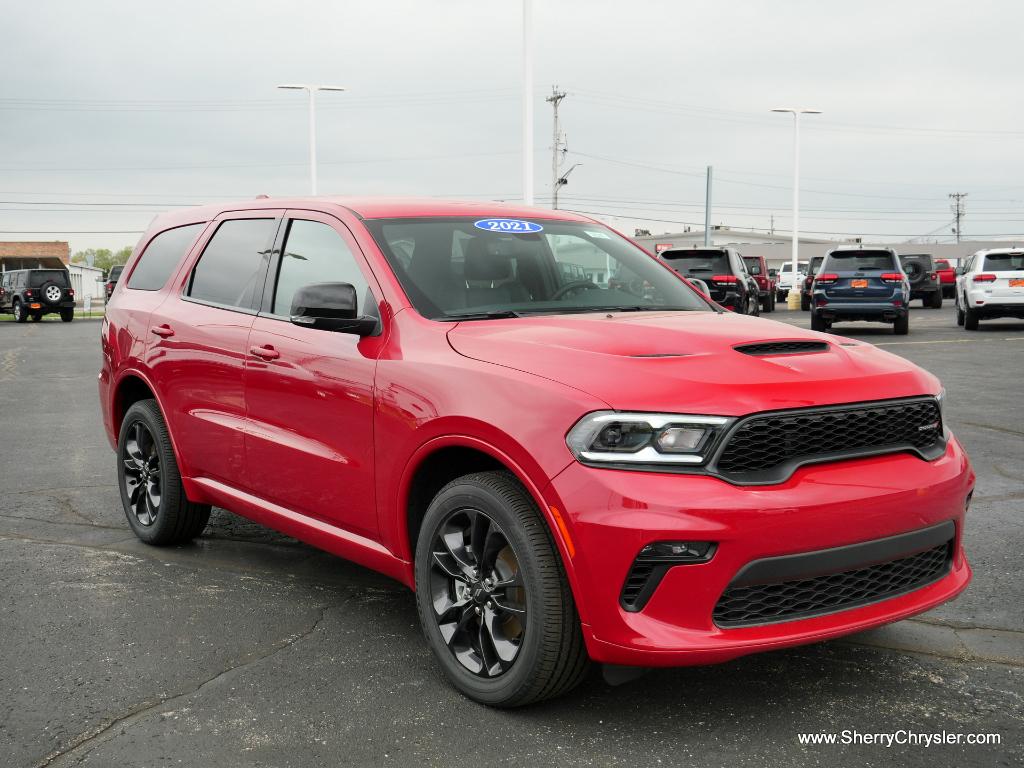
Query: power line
[[958, 211]]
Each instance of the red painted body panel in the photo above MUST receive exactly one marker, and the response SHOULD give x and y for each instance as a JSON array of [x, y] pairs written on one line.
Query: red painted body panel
[[323, 441]]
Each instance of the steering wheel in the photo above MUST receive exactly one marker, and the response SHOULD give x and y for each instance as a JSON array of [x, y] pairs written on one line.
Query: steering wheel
[[575, 285]]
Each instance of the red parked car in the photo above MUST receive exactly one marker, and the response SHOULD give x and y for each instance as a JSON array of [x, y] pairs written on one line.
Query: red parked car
[[947, 277], [563, 470], [758, 268]]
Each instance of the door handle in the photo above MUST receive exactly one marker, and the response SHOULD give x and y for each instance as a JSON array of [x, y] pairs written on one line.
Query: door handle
[[266, 352], [163, 331]]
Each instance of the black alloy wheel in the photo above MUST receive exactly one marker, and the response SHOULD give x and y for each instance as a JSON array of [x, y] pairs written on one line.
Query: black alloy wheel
[[493, 597], [142, 474], [19, 312], [477, 591], [152, 493]]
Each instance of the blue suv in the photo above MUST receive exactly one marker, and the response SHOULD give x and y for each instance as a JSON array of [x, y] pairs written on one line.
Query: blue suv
[[861, 284]]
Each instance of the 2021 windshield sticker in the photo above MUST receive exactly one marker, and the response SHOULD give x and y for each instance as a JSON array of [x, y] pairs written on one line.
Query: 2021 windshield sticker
[[513, 226]]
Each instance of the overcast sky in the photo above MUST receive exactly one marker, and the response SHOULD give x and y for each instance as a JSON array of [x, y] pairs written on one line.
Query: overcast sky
[[146, 105]]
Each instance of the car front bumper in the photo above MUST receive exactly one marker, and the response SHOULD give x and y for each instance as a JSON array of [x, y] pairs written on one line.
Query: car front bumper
[[613, 514]]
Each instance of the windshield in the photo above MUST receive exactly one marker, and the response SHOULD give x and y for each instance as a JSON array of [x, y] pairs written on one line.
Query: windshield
[[1001, 262], [858, 261], [697, 263], [454, 268], [37, 277], [788, 266]]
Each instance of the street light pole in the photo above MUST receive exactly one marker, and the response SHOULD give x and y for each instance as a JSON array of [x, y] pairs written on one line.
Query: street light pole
[[793, 299], [528, 102], [311, 90]]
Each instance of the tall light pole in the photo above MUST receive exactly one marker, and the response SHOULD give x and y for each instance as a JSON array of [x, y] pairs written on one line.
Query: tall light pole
[[311, 90], [528, 102], [793, 299]]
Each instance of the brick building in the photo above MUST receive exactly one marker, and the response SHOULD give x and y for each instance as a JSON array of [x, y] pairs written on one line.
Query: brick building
[[36, 255]]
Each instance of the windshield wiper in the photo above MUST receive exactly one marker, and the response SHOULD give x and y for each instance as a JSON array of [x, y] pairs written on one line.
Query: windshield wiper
[[623, 308], [494, 314]]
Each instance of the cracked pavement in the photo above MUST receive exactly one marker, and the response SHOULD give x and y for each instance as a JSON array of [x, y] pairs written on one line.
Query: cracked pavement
[[250, 649]]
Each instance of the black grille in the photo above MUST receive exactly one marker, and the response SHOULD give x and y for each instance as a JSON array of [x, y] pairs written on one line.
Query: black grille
[[801, 598], [765, 443], [782, 347]]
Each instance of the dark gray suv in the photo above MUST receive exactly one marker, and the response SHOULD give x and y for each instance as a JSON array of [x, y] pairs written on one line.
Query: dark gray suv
[[923, 277], [33, 293]]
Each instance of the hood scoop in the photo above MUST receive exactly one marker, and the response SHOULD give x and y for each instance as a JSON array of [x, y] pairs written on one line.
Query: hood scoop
[[766, 348]]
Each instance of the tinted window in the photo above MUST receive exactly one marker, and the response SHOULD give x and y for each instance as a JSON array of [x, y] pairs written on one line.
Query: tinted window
[[39, 276], [161, 256], [315, 253], [698, 263], [115, 271], [858, 261], [231, 269], [1004, 261]]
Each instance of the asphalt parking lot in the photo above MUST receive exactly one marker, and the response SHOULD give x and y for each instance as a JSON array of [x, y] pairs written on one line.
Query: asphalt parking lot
[[247, 648]]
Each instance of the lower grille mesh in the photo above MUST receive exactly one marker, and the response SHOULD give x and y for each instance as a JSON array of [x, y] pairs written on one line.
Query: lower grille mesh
[[788, 600]]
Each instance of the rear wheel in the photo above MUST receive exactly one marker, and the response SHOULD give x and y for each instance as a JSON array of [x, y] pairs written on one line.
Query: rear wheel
[[152, 495], [935, 301], [493, 598], [805, 302], [753, 305], [902, 325], [959, 315], [971, 319], [20, 316], [36, 316], [767, 303], [67, 315], [818, 323]]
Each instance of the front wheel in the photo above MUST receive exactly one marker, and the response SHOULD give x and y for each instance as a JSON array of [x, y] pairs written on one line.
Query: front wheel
[[67, 315], [493, 598], [152, 495]]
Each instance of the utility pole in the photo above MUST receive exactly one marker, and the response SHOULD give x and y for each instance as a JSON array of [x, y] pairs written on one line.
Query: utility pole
[[311, 90], [771, 229], [707, 211], [528, 102], [558, 145], [959, 209]]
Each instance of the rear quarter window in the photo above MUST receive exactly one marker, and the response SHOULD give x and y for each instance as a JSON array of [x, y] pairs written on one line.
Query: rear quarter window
[[231, 270], [162, 255]]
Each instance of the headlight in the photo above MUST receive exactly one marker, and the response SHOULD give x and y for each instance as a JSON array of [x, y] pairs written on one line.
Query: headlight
[[611, 437]]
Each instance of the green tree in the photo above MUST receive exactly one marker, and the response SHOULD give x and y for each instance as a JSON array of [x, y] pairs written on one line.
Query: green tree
[[102, 258]]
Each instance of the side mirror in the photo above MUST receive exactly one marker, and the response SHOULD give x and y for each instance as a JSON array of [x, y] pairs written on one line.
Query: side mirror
[[330, 307]]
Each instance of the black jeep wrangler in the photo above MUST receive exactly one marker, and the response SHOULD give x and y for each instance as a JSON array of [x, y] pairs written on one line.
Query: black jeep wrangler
[[923, 277], [33, 293]]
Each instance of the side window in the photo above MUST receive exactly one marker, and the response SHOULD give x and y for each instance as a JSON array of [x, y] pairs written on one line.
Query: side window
[[161, 256], [230, 271], [315, 253]]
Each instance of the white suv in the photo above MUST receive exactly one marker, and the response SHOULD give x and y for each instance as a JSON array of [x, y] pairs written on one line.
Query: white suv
[[786, 283], [990, 284]]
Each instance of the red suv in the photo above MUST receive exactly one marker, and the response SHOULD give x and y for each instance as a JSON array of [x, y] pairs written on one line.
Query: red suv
[[563, 468]]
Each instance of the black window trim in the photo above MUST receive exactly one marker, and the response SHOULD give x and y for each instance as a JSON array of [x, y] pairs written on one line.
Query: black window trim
[[277, 216]]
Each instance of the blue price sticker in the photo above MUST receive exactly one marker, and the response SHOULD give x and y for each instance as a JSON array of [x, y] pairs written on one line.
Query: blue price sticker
[[514, 226]]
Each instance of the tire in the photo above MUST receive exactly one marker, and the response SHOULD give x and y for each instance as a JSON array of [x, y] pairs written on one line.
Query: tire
[[548, 657], [753, 305], [782, 295], [959, 315], [173, 519], [36, 316], [805, 303], [767, 304], [818, 323], [51, 293], [67, 315], [20, 316], [935, 302], [901, 327], [970, 319]]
